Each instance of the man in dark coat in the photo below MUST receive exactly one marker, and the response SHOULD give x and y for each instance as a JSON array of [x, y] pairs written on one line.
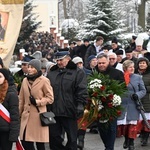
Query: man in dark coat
[[129, 55], [108, 135], [21, 74], [83, 48], [70, 93], [93, 49]]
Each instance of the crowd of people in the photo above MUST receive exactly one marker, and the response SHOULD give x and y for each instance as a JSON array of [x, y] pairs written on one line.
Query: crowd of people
[[59, 84]]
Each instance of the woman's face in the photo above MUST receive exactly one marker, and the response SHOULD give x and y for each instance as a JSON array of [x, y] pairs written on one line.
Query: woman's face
[[130, 69], [142, 65], [31, 70], [2, 78]]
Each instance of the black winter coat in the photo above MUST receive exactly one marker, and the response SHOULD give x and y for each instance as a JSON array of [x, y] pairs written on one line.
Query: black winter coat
[[82, 51], [90, 51], [70, 88], [146, 79], [11, 103], [113, 73]]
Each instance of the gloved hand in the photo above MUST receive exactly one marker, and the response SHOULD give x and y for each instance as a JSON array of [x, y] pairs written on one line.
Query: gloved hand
[[134, 97], [80, 110], [32, 100]]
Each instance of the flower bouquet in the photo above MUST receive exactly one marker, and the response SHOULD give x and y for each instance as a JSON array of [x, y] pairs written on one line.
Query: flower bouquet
[[104, 97]]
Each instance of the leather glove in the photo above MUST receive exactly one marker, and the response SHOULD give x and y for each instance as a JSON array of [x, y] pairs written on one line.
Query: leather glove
[[80, 110], [32, 100], [134, 97]]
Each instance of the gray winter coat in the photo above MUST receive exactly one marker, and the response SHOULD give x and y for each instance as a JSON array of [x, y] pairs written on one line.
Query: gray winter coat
[[136, 85]]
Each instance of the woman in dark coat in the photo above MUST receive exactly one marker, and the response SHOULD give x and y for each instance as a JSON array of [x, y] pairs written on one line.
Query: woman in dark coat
[[128, 121], [143, 69], [9, 131]]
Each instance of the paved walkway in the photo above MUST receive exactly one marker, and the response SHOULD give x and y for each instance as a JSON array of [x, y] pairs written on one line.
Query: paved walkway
[[93, 142]]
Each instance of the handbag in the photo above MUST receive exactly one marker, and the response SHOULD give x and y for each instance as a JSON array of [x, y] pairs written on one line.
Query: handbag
[[46, 118]]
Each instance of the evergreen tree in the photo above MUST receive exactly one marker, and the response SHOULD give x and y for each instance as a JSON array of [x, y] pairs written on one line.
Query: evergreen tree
[[29, 24], [100, 21]]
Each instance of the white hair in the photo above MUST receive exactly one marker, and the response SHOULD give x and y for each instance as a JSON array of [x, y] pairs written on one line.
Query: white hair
[[112, 54]]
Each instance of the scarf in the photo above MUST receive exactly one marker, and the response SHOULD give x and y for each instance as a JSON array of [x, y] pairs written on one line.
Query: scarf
[[127, 77], [34, 76]]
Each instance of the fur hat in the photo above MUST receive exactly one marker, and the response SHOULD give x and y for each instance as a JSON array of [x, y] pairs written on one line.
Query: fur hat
[[36, 64], [5, 72], [1, 62]]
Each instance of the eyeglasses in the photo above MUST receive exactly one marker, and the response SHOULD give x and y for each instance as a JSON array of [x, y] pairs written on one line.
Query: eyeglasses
[[112, 58]]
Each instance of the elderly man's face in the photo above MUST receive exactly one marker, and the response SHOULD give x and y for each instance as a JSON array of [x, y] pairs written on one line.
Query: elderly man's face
[[102, 63], [62, 63], [139, 48], [112, 60]]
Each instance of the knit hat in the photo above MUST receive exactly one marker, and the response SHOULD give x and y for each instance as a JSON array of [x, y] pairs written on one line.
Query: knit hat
[[1, 62], [5, 72], [36, 64], [43, 63], [77, 60], [90, 58]]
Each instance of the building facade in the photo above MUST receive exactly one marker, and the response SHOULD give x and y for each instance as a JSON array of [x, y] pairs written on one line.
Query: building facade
[[47, 11]]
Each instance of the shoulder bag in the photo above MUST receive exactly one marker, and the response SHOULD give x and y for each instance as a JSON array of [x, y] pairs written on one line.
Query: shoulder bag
[[47, 118]]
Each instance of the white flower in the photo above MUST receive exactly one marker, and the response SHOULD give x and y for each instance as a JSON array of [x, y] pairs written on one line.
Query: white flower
[[96, 83], [91, 86], [116, 100], [100, 107]]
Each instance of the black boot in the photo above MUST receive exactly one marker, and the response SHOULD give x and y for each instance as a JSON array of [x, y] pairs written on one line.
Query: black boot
[[145, 136], [81, 142], [126, 142], [131, 144], [81, 135]]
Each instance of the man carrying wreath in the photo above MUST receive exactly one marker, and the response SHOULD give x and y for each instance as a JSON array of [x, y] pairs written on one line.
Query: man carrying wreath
[[108, 135]]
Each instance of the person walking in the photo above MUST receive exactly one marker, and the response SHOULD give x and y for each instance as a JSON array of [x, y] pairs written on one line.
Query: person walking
[[143, 69], [70, 92], [9, 106], [82, 130], [108, 136], [128, 121], [39, 87]]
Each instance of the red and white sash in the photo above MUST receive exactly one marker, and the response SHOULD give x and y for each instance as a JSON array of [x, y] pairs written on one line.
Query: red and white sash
[[6, 116]]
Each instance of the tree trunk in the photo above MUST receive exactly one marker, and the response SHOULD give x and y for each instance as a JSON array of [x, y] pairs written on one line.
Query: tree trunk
[[141, 13], [65, 9]]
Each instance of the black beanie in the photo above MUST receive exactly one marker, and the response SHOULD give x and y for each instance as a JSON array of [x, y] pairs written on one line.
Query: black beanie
[[5, 72], [1, 62]]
